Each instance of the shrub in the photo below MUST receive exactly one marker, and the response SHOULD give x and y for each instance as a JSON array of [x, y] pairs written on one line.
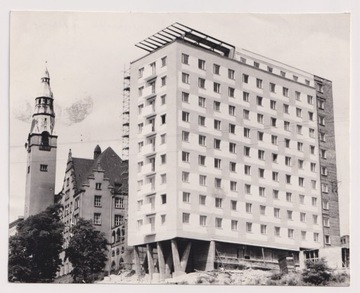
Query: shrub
[[317, 273]]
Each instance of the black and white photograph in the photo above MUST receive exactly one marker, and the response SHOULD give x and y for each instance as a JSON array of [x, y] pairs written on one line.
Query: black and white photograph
[[179, 148]]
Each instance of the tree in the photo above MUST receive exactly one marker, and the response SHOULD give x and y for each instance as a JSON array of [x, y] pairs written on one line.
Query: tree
[[34, 250], [317, 273], [87, 252]]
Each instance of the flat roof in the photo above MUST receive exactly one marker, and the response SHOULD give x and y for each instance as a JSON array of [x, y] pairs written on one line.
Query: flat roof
[[180, 31]]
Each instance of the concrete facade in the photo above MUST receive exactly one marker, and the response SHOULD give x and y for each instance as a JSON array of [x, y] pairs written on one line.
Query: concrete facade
[[225, 150]]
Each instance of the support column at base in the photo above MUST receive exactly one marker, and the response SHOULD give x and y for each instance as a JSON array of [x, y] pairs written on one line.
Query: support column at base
[[137, 260], [150, 260], [211, 257], [161, 261]]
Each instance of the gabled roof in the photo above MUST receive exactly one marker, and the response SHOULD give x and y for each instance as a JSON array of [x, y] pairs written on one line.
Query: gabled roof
[[81, 168]]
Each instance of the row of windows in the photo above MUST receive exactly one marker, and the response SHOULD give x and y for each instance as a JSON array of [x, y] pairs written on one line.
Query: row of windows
[[118, 202], [118, 219], [231, 73]]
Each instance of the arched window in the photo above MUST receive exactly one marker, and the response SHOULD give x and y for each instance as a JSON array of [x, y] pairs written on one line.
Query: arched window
[[117, 235], [113, 237], [117, 251], [45, 139]]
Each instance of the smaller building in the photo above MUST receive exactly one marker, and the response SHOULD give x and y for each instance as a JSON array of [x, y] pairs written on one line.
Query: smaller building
[[13, 226], [97, 189]]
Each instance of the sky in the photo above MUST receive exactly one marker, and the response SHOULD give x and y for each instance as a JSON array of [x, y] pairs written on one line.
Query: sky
[[87, 52]]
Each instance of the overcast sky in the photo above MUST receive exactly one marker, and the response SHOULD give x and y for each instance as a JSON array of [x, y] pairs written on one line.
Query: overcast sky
[[86, 54]]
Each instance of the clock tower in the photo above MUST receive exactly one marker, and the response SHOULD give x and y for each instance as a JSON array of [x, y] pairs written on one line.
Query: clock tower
[[41, 152]]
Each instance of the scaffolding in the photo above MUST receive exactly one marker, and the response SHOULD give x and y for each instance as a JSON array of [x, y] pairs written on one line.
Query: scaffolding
[[126, 114]]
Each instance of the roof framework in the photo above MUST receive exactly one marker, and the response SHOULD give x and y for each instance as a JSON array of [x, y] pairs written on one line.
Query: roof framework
[[180, 31]]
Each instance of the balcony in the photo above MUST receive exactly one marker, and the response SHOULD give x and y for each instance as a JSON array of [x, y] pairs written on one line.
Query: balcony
[[147, 189], [147, 208], [148, 129], [147, 229], [147, 168], [148, 92], [148, 111], [149, 73], [148, 149]]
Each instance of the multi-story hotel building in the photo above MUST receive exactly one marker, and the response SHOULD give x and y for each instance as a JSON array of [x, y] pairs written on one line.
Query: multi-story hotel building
[[232, 156]]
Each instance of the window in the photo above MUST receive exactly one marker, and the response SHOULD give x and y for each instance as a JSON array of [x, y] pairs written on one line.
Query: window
[[186, 218], [288, 178], [98, 186], [185, 97], [234, 225], [202, 160], [298, 112], [307, 82], [285, 92], [259, 83], [163, 198], [275, 194], [217, 182], [247, 170], [118, 219], [299, 129], [218, 222], [163, 99], [301, 164], [185, 78], [288, 196], [231, 110], [218, 202], [277, 231], [321, 104], [202, 220], [274, 139], [246, 151], [163, 81], [185, 116], [300, 146], [261, 155], [248, 207], [319, 87], [297, 96], [163, 219], [321, 120], [233, 185], [303, 235], [185, 176], [246, 114], [275, 176], [291, 233], [273, 121], [163, 159], [276, 212], [232, 166], [324, 188], [287, 125], [141, 72], [247, 188], [232, 128], [163, 61], [302, 198], [97, 219], [247, 132], [185, 136], [202, 140], [119, 203], [140, 127], [326, 222], [283, 73], [327, 240], [288, 161], [202, 199], [270, 69], [217, 143], [313, 184], [216, 87], [231, 74], [201, 120], [323, 154], [232, 147], [259, 101], [97, 201], [262, 210], [261, 191], [231, 92], [314, 201], [316, 237], [163, 119], [216, 106], [202, 180], [201, 64], [311, 116], [242, 59], [273, 104], [246, 97], [311, 132], [185, 157], [274, 158], [216, 69], [201, 83], [296, 78], [186, 197], [245, 78], [323, 171], [272, 87], [256, 64], [303, 217], [202, 102], [315, 219], [217, 124], [310, 100], [261, 173], [263, 229], [217, 163], [233, 205], [313, 167], [184, 58], [163, 178], [312, 149], [286, 108], [43, 168], [289, 215], [248, 227], [287, 142]]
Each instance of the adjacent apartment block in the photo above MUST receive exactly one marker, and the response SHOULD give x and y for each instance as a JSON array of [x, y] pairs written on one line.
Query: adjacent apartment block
[[97, 190], [232, 156]]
